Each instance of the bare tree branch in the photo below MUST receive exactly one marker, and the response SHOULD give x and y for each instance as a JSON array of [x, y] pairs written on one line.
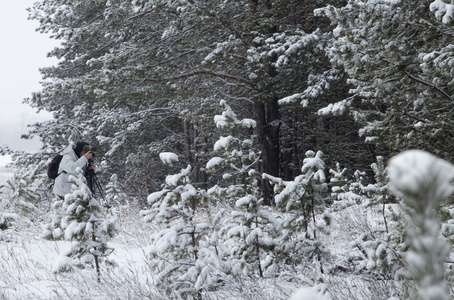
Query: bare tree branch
[[429, 84]]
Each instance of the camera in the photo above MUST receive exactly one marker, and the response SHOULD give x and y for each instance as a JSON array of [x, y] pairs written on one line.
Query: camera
[[88, 148]]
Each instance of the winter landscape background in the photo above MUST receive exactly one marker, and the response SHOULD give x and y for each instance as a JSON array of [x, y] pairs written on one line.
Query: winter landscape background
[[245, 149]]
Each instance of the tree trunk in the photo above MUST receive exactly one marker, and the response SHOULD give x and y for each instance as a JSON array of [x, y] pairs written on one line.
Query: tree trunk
[[187, 140], [93, 237], [268, 123]]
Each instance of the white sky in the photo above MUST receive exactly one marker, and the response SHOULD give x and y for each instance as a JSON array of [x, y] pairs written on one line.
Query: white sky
[[23, 51]]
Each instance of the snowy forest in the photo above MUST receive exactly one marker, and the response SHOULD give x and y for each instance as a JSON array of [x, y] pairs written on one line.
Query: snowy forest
[[245, 149]]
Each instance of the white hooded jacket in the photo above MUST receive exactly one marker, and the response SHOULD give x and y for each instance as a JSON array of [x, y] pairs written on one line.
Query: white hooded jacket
[[68, 165]]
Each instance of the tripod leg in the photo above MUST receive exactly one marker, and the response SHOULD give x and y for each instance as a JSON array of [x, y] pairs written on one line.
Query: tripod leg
[[101, 191]]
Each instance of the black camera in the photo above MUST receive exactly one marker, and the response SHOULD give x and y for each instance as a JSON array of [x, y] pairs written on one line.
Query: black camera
[[88, 148]]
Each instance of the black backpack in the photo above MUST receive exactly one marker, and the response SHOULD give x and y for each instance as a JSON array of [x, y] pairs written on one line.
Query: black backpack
[[52, 168]]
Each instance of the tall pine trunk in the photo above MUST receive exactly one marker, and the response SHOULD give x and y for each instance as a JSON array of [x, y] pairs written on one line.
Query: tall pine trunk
[[268, 123]]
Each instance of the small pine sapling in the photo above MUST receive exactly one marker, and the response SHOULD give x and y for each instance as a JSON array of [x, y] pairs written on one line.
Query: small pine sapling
[[384, 248], [181, 251], [252, 230], [82, 224], [378, 193], [53, 230], [237, 154], [343, 191], [115, 197], [253, 233], [25, 188], [303, 203], [422, 181]]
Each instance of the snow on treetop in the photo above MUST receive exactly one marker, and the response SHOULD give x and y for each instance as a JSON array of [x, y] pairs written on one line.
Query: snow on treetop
[[223, 143], [248, 123], [335, 109], [443, 11], [214, 162], [313, 161], [414, 172], [229, 118]]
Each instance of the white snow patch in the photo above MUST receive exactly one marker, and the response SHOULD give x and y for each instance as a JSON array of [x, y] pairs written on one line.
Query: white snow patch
[[168, 157], [223, 143], [214, 162], [308, 293]]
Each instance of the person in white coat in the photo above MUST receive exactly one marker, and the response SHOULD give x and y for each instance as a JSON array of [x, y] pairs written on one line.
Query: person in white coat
[[73, 157]]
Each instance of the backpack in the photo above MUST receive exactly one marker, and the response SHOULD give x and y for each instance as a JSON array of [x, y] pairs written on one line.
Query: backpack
[[52, 168]]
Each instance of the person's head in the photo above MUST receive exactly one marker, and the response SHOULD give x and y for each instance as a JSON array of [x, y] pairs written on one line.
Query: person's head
[[81, 148]]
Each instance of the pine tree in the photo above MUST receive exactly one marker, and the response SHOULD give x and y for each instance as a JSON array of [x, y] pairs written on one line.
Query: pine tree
[[252, 229], [253, 235], [396, 55], [81, 223], [27, 190], [344, 191], [53, 230], [422, 181], [115, 197], [238, 154], [182, 251], [303, 202], [384, 248]]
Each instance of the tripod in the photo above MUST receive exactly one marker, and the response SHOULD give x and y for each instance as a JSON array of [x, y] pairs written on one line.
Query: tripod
[[93, 184]]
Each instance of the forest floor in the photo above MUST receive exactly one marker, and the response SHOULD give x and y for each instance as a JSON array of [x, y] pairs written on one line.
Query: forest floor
[[27, 262]]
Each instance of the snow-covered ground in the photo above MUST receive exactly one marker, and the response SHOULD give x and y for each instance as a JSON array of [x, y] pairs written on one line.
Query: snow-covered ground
[[27, 264]]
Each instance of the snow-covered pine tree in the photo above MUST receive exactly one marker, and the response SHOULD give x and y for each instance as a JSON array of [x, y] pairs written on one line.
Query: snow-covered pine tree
[[399, 66], [238, 154], [53, 230], [82, 224], [115, 196], [384, 247], [378, 193], [421, 181], [27, 190], [252, 228], [252, 235], [182, 253], [345, 192], [302, 201]]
